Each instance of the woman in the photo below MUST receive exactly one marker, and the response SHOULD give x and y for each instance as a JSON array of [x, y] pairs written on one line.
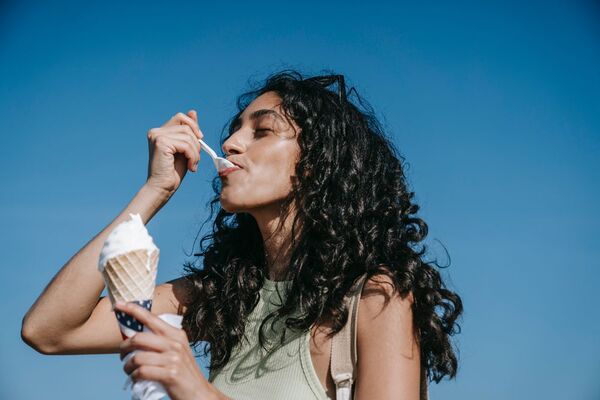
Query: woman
[[320, 199]]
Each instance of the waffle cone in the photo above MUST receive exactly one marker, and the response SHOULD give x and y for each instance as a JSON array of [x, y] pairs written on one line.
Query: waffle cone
[[127, 277]]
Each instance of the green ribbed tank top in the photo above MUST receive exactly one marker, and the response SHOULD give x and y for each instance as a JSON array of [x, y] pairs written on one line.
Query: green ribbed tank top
[[286, 373]]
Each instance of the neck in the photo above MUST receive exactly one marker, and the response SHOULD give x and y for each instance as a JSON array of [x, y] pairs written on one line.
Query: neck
[[276, 235]]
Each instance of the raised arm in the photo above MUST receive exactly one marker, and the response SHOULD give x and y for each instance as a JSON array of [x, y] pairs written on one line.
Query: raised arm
[[69, 317], [70, 302]]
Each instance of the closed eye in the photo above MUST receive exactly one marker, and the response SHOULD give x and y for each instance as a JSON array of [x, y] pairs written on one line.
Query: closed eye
[[261, 130]]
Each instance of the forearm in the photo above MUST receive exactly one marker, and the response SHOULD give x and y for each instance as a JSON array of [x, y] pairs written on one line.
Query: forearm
[[78, 284]]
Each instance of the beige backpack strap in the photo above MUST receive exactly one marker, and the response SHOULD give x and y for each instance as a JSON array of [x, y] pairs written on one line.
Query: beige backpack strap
[[343, 345], [344, 355]]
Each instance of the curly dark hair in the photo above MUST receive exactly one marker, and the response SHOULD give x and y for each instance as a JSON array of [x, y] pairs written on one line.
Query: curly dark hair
[[354, 215]]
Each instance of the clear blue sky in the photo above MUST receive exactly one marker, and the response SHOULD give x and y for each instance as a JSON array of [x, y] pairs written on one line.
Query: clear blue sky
[[496, 108]]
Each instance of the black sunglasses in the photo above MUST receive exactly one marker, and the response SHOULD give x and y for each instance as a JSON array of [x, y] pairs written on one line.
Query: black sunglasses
[[327, 80]]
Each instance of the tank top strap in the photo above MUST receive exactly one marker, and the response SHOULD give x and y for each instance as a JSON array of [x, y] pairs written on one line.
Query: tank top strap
[[344, 354]]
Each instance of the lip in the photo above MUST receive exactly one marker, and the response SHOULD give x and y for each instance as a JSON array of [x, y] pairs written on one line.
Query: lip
[[223, 173], [234, 163]]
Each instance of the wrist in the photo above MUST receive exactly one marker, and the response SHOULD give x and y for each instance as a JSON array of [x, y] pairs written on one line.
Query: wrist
[[147, 202], [157, 194]]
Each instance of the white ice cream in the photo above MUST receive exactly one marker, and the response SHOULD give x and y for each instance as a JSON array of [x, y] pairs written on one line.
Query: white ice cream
[[127, 236]]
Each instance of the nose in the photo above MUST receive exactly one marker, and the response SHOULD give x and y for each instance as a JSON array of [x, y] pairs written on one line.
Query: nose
[[232, 146]]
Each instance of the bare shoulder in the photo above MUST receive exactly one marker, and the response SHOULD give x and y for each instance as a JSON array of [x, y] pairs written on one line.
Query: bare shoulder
[[388, 352], [173, 296], [381, 307], [379, 293]]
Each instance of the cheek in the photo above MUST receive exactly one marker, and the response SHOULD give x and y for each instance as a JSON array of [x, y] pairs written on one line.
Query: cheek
[[267, 183], [274, 186], [275, 174], [264, 184]]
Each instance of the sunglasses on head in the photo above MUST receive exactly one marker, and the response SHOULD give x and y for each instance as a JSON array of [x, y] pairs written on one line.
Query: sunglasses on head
[[327, 80]]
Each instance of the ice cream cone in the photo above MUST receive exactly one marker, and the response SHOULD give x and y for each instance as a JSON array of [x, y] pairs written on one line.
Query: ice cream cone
[[129, 263], [131, 276]]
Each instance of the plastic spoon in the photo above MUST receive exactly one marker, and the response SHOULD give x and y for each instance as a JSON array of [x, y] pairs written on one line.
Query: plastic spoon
[[220, 162]]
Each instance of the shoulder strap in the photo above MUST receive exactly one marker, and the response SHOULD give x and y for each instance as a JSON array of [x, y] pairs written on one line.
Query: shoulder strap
[[343, 345], [344, 352]]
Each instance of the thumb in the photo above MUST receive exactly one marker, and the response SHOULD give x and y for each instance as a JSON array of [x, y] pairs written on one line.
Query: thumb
[[193, 114]]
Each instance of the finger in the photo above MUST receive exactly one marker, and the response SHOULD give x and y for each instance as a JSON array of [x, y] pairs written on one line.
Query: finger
[[193, 114], [146, 358], [144, 341], [186, 131], [176, 144], [190, 152], [145, 317], [180, 119], [164, 375]]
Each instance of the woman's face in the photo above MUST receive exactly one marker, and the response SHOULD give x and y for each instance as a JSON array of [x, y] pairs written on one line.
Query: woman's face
[[265, 145]]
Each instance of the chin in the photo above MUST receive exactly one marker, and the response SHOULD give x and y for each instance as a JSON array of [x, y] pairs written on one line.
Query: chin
[[230, 207]]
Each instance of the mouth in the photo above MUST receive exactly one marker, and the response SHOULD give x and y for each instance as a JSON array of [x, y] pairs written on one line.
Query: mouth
[[224, 172], [236, 164]]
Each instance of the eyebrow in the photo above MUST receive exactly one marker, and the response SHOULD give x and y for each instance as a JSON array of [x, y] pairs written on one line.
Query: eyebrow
[[256, 114]]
